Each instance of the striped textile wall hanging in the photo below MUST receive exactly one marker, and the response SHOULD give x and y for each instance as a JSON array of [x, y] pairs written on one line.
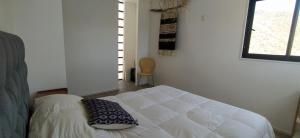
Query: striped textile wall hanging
[[168, 30]]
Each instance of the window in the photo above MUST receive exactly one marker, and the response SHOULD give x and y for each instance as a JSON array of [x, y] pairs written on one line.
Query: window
[[272, 30], [121, 9]]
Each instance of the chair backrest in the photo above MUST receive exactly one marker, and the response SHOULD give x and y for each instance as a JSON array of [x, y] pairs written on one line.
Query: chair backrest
[[147, 65]]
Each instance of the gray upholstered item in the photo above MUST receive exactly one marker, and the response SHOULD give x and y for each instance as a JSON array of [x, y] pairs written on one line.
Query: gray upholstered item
[[14, 93]]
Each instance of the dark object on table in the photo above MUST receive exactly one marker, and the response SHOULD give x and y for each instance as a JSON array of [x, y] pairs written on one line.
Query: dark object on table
[[132, 74]]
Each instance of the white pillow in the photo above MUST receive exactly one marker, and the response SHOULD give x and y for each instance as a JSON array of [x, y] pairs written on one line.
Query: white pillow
[[59, 116], [56, 103]]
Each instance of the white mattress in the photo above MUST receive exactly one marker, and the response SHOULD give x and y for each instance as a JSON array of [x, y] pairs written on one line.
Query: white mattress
[[165, 112]]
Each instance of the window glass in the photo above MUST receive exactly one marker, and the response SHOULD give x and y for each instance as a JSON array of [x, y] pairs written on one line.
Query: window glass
[[120, 61], [121, 54], [121, 15], [120, 22], [121, 7], [120, 68], [120, 38], [271, 27], [120, 76], [120, 30], [120, 46]]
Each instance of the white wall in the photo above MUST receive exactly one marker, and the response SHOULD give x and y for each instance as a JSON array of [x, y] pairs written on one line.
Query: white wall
[[208, 62], [130, 38], [91, 45], [6, 15], [143, 24], [3, 15], [39, 24]]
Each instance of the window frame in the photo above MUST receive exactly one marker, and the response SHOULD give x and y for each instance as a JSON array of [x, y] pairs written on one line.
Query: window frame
[[249, 29], [122, 72]]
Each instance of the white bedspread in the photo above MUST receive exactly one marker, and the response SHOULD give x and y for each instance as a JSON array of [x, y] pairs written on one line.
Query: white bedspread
[[162, 112]]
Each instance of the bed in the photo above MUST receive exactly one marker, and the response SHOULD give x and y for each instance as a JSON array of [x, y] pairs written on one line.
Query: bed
[[162, 111]]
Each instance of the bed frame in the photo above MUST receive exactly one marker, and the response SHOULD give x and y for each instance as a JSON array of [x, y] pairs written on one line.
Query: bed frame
[[14, 92]]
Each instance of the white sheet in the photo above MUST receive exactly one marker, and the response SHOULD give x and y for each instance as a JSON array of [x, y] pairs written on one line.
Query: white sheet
[[162, 112]]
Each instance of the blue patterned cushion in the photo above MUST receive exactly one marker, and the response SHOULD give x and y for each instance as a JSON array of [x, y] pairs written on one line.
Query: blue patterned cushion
[[105, 114]]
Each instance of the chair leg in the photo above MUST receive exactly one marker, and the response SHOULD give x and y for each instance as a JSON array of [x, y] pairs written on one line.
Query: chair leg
[[153, 80], [139, 79], [147, 83]]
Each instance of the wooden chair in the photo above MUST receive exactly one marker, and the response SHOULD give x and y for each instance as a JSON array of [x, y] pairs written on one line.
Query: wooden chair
[[147, 66]]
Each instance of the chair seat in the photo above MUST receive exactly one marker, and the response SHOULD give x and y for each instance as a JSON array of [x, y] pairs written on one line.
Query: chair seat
[[145, 74]]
